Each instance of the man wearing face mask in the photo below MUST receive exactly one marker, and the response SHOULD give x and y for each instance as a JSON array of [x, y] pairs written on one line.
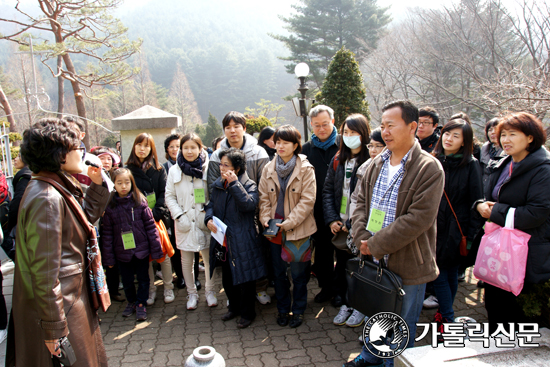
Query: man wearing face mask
[[339, 184]]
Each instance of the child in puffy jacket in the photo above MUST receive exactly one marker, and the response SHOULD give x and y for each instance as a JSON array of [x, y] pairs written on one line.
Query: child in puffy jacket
[[129, 237]]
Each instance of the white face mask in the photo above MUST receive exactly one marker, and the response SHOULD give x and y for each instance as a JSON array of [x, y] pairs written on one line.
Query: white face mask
[[352, 142]]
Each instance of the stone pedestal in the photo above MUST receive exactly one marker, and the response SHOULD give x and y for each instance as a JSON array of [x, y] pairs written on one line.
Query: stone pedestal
[[146, 119], [475, 355]]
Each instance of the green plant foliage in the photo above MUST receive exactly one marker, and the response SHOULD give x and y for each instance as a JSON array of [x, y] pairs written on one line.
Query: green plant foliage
[[15, 137], [535, 300], [266, 108], [200, 130], [319, 28], [212, 130], [343, 88], [110, 141], [255, 125]]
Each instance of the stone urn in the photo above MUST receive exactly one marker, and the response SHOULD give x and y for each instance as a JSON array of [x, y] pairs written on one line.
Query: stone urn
[[205, 356]]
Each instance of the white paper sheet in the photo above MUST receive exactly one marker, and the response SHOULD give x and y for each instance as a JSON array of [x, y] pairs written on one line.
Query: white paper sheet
[[220, 233], [107, 179]]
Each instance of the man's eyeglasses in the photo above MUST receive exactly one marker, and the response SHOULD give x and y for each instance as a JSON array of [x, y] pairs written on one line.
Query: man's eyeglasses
[[425, 123]]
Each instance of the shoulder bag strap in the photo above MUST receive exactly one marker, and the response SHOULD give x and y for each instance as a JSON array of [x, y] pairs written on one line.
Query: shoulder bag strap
[[71, 201], [457, 222]]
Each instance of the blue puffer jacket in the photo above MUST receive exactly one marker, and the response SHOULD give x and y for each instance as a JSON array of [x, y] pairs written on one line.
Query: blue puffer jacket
[[236, 207], [126, 217]]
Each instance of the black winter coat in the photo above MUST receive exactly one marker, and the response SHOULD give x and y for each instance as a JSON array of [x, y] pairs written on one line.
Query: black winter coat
[[428, 144], [20, 182], [153, 181], [126, 217], [464, 186], [332, 190], [236, 207], [527, 190], [320, 159]]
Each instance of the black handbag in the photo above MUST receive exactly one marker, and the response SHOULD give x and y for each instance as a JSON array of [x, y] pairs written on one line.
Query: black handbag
[[373, 288]]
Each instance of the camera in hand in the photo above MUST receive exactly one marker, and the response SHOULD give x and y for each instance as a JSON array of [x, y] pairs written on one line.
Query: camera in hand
[[67, 357]]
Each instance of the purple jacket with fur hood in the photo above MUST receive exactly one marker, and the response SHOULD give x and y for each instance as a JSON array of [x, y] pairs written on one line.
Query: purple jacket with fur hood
[[125, 217]]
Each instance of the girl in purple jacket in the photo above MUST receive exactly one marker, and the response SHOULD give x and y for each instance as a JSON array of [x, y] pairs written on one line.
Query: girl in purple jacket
[[129, 237]]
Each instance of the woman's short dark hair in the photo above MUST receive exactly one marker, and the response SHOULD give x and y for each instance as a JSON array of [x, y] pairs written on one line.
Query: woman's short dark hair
[[266, 133], [236, 157], [359, 124], [46, 144], [167, 142], [467, 139], [491, 123], [237, 117], [191, 136], [527, 124], [376, 135], [291, 134], [216, 141], [152, 158]]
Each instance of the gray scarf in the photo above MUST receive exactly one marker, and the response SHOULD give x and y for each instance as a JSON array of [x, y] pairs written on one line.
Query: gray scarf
[[284, 171]]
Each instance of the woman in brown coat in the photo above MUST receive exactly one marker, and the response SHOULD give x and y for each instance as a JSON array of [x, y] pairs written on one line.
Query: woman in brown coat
[[51, 295], [287, 192]]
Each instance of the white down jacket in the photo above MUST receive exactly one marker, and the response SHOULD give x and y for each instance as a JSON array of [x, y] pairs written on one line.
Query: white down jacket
[[191, 233]]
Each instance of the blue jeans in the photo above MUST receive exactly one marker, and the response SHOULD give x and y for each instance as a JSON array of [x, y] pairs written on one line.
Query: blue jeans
[[300, 272], [410, 312], [445, 287]]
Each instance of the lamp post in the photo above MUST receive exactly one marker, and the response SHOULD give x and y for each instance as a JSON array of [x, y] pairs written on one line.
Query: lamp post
[[302, 105]]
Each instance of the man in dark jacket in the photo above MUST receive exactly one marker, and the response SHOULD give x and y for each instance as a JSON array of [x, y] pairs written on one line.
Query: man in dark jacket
[[427, 132], [319, 151]]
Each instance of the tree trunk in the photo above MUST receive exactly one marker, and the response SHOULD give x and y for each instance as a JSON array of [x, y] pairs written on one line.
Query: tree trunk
[[78, 98], [27, 98], [60, 88], [9, 112]]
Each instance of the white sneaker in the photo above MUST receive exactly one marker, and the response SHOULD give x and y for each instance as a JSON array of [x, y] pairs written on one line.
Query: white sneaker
[[169, 296], [431, 302], [3, 335], [201, 267], [356, 319], [211, 299], [120, 286], [263, 297], [158, 274], [152, 298], [343, 315], [192, 301]]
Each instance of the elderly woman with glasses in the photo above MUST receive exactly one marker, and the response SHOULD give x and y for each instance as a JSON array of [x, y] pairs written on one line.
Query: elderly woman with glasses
[[234, 200], [51, 292]]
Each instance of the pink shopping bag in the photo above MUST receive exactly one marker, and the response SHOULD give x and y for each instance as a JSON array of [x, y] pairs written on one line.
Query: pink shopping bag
[[502, 255]]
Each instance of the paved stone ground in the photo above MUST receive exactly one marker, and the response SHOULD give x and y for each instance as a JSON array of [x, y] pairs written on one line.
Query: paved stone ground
[[171, 332]]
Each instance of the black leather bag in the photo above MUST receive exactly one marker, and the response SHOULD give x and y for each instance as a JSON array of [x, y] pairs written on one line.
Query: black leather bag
[[373, 288]]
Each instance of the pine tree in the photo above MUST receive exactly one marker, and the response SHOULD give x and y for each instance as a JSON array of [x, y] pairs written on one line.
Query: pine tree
[[210, 131], [321, 27], [343, 88]]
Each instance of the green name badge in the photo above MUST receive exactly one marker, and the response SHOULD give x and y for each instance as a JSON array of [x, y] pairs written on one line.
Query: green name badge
[[344, 205], [376, 220], [199, 196], [151, 200], [128, 240]]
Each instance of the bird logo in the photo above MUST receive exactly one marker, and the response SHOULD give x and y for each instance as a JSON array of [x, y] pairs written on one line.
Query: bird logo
[[386, 335]]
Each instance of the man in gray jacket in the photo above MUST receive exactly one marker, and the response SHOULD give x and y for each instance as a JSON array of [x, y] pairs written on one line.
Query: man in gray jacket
[[234, 127], [396, 211]]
